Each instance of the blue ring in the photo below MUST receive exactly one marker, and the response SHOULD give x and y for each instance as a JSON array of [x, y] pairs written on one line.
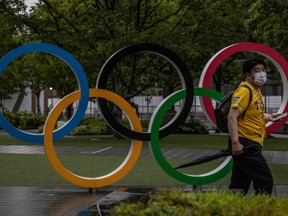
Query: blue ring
[[81, 78]]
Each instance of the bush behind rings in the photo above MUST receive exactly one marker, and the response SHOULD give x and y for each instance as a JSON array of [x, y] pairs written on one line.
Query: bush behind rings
[[28, 120], [25, 120], [191, 126]]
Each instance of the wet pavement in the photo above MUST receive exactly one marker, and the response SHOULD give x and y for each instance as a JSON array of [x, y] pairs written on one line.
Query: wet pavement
[[66, 201], [69, 201], [81, 201], [32, 201], [272, 157]]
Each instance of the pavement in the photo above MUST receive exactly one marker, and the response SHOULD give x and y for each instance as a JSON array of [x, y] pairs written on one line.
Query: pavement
[[272, 157], [81, 201]]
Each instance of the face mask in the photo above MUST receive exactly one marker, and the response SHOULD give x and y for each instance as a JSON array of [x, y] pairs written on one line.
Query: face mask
[[260, 78]]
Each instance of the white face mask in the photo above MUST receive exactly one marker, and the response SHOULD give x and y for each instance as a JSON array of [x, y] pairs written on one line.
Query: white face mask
[[260, 78]]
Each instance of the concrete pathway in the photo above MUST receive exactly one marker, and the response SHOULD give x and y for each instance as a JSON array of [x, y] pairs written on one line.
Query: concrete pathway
[[272, 157], [39, 201], [75, 201]]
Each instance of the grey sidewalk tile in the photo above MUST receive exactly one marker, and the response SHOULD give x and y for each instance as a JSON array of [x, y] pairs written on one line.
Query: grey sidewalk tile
[[286, 158], [179, 153], [146, 153], [268, 155], [45, 201], [281, 191], [278, 157], [273, 157]]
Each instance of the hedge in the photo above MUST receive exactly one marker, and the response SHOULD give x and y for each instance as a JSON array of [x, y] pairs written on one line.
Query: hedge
[[25, 120], [176, 202]]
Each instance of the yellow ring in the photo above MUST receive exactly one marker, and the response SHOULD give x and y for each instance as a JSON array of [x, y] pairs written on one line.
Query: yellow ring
[[114, 176]]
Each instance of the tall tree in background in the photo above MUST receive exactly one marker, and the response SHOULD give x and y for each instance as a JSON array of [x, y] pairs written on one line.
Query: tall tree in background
[[267, 23], [12, 34], [93, 30]]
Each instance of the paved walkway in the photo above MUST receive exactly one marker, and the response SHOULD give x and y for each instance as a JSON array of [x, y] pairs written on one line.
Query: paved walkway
[[67, 201], [272, 157], [36, 201]]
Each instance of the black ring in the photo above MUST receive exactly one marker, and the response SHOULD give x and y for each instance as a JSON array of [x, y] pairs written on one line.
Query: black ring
[[177, 63]]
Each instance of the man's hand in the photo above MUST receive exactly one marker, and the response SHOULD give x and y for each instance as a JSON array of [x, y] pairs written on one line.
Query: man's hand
[[237, 148], [277, 117], [272, 117]]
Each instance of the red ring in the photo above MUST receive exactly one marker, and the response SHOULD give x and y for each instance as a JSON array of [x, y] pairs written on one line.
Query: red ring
[[218, 58]]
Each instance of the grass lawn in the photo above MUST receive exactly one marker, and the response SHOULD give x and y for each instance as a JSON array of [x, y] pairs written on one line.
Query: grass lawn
[[35, 170]]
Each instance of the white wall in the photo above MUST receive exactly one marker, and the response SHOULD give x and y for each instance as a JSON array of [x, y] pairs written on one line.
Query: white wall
[[26, 103], [272, 103]]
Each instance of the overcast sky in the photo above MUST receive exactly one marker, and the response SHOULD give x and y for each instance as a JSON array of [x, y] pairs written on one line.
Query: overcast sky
[[29, 3]]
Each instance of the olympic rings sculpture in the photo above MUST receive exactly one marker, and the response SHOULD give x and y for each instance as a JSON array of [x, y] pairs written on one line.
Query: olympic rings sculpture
[[136, 134]]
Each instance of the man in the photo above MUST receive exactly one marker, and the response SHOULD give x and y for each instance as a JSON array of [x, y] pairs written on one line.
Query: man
[[249, 131]]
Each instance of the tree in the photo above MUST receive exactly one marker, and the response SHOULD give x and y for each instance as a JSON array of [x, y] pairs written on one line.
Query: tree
[[209, 26], [93, 30], [268, 22], [11, 35], [36, 68]]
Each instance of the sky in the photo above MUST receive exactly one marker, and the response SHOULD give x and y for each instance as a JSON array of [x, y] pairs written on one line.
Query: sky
[[30, 3]]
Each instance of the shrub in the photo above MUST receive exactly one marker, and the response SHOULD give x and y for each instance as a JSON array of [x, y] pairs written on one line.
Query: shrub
[[191, 126], [176, 202], [88, 127], [105, 130], [144, 124], [25, 120], [84, 130]]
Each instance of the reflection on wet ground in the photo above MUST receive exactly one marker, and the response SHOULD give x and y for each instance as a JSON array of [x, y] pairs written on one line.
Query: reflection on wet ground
[[64, 201], [45, 201], [67, 201]]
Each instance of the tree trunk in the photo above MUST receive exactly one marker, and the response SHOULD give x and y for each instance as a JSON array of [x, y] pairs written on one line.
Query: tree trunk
[[19, 101], [117, 112], [38, 102], [69, 111], [1, 106]]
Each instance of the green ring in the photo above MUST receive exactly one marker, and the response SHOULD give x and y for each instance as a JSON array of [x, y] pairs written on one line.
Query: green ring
[[156, 119]]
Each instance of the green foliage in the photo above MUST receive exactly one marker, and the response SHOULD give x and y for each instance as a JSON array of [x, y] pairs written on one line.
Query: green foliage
[[88, 130], [93, 31], [192, 126], [267, 21], [176, 202], [195, 30], [10, 35], [144, 124], [25, 120], [90, 126]]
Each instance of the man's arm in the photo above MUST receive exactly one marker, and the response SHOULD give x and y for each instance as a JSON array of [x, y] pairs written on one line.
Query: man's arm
[[237, 147]]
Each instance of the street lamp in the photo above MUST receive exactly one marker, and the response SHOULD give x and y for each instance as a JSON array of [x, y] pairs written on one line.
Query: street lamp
[[51, 96]]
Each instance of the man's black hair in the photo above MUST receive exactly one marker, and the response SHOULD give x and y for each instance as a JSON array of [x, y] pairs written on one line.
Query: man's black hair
[[250, 63]]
